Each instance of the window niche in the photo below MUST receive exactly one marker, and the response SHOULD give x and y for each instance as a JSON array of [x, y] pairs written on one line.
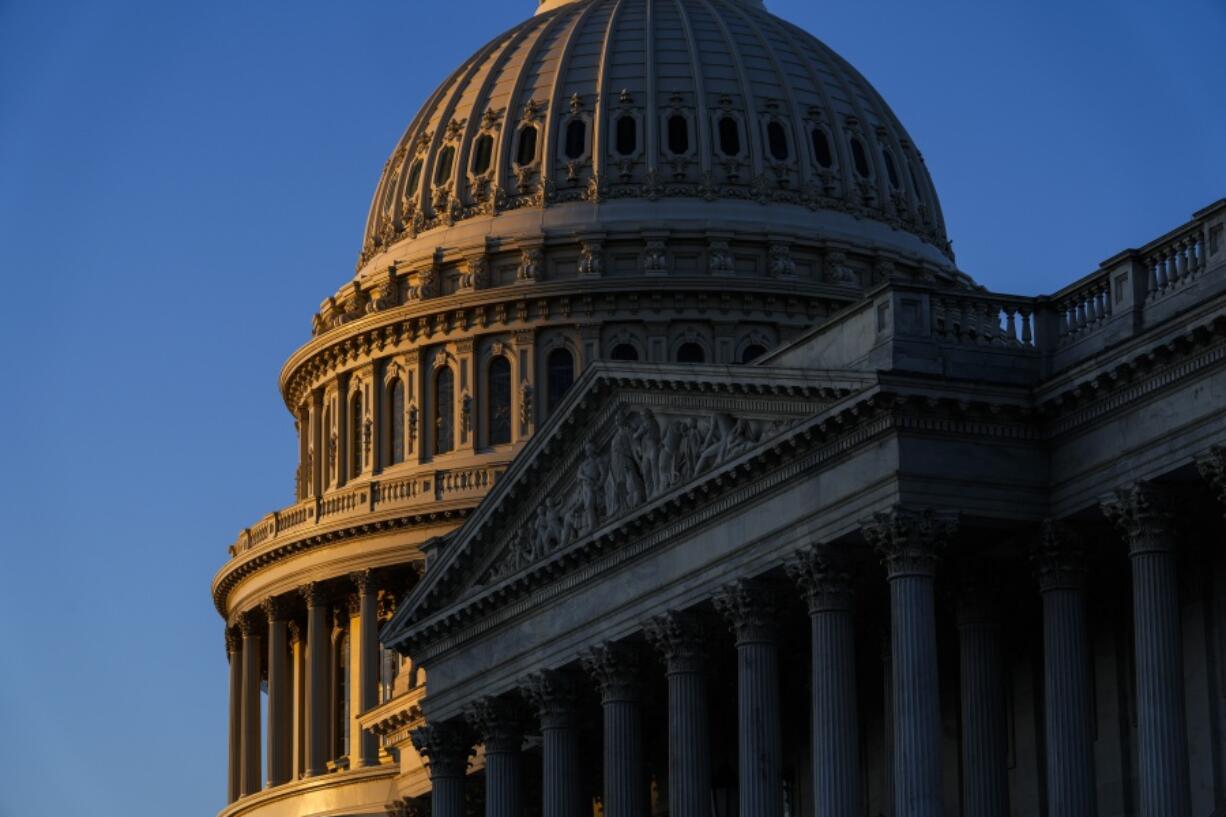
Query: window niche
[[498, 389], [444, 410]]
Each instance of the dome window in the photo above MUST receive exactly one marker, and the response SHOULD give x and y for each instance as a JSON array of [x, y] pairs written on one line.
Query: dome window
[[395, 401], [891, 170], [483, 152], [691, 353], [752, 352], [821, 149], [919, 194], [624, 351], [560, 374], [499, 379], [627, 135], [445, 160], [729, 136], [525, 151], [859, 158], [678, 135], [355, 435], [777, 141], [444, 411], [414, 179], [576, 139]]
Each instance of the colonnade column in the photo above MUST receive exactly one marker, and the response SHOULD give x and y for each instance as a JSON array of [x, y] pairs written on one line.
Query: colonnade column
[[1162, 752], [552, 692], [234, 777], [297, 640], [1067, 693], [985, 761], [499, 726], [279, 692], [826, 584], [680, 639], [910, 542], [446, 748], [749, 608], [366, 674], [318, 682], [615, 668], [249, 779]]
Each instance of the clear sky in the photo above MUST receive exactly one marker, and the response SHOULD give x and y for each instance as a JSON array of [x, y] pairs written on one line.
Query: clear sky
[[181, 184]]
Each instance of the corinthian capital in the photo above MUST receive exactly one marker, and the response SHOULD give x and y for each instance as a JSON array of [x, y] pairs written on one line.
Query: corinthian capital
[[1059, 557], [910, 541], [445, 747], [498, 723], [615, 669], [276, 608], [681, 639], [823, 577], [553, 694], [1140, 512], [1212, 466], [750, 608]]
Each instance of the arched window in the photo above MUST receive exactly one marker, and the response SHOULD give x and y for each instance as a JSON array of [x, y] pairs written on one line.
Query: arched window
[[483, 152], [821, 148], [560, 374], [444, 411], [414, 179], [445, 159], [627, 135], [355, 434], [890, 169], [777, 141], [859, 158], [919, 192], [729, 136], [395, 419], [691, 353], [499, 391], [752, 352], [624, 351], [678, 134], [329, 439], [576, 139], [525, 149]]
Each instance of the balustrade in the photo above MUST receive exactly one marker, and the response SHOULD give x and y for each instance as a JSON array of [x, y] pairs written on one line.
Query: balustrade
[[984, 319], [1175, 262]]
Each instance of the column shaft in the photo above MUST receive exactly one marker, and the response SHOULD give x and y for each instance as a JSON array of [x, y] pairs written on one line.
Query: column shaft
[[615, 669], [836, 741], [917, 702], [298, 702], [985, 772], [250, 779], [502, 793], [553, 695], [279, 704], [234, 778], [445, 748], [368, 669], [1067, 699], [318, 683], [689, 744]]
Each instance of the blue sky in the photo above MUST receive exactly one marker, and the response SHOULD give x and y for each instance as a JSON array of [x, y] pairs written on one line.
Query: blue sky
[[181, 184]]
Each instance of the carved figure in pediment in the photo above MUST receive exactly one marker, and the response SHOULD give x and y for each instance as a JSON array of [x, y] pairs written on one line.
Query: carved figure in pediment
[[623, 465], [647, 450], [670, 454], [590, 476]]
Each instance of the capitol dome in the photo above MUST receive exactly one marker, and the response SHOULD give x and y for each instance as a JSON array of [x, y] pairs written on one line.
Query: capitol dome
[[611, 115]]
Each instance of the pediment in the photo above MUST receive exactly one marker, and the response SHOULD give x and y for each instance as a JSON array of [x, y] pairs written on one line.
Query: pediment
[[627, 440]]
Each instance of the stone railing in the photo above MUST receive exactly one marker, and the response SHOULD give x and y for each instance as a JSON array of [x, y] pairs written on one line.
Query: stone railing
[[984, 319], [420, 489], [1080, 309], [1176, 260]]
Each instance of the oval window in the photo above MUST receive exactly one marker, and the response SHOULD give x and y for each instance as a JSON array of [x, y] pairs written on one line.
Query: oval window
[[678, 134], [414, 179], [483, 152], [729, 137], [890, 170], [445, 159], [576, 138], [627, 135], [525, 153], [821, 148], [859, 158], [777, 141]]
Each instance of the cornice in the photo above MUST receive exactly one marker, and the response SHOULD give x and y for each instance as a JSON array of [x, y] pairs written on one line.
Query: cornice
[[395, 718]]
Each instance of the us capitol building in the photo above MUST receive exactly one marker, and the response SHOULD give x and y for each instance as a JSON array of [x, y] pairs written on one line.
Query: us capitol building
[[659, 460]]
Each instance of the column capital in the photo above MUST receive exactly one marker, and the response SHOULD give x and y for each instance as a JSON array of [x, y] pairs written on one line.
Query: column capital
[[1212, 467], [445, 748], [553, 693], [295, 631], [233, 642], [353, 603], [680, 637], [315, 594], [910, 540], [750, 608], [276, 608], [1059, 557], [364, 581], [823, 577], [408, 807], [615, 668], [1140, 511], [250, 622], [497, 722]]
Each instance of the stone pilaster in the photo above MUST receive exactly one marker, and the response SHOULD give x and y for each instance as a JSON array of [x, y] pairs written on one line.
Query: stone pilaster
[[280, 708], [826, 584], [909, 542], [249, 778], [234, 650], [552, 693], [749, 608], [498, 723], [367, 680], [318, 679], [445, 748], [615, 668], [1148, 527], [1060, 562], [985, 761], [680, 639]]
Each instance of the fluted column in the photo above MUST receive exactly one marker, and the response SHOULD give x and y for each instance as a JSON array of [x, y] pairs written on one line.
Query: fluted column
[[445, 748], [297, 640], [680, 639], [279, 694], [909, 541], [249, 782], [498, 724], [615, 668], [1060, 561], [826, 584], [750, 609], [1162, 732], [234, 778], [367, 671], [318, 679], [552, 693], [985, 760]]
